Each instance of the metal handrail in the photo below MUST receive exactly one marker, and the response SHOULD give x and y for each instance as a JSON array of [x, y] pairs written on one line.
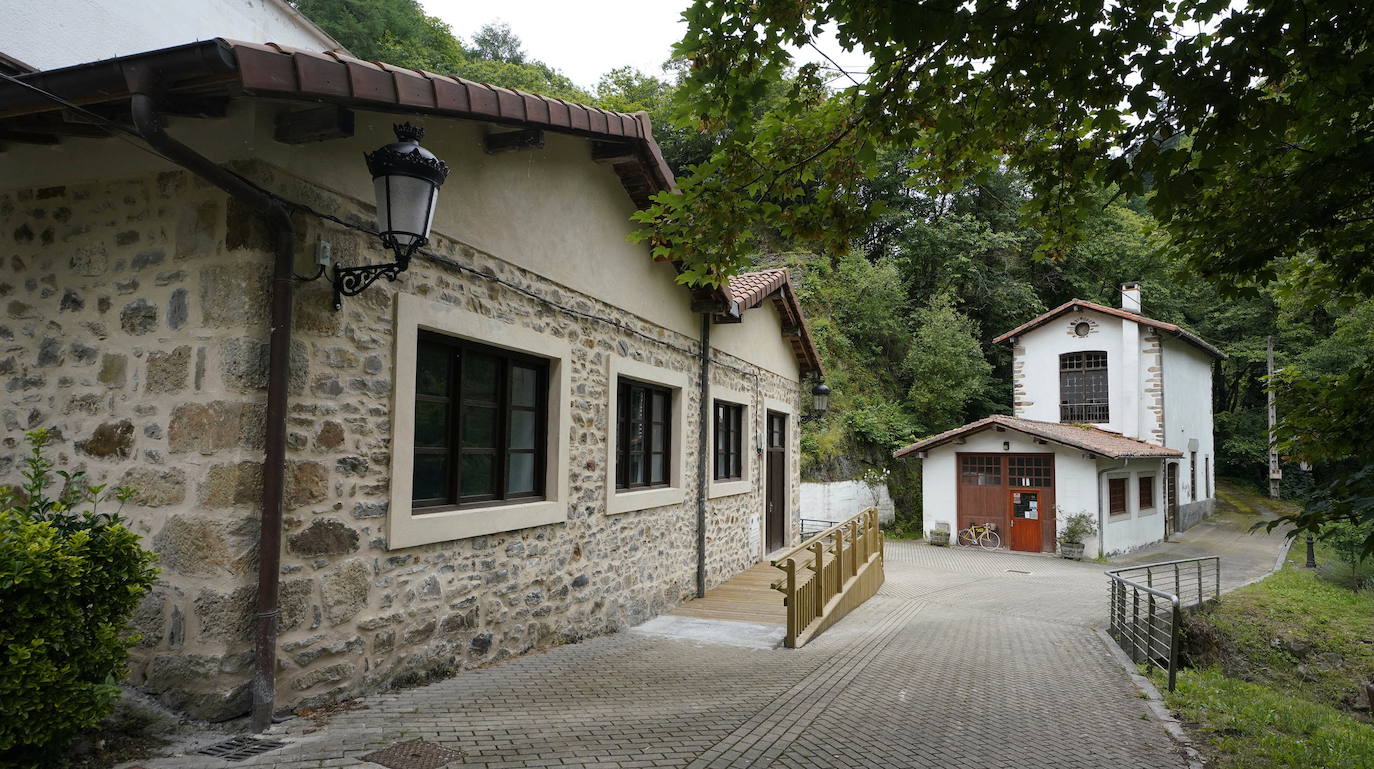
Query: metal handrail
[[1139, 635]]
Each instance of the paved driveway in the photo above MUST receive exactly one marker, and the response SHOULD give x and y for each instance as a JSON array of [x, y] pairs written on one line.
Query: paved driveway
[[962, 660]]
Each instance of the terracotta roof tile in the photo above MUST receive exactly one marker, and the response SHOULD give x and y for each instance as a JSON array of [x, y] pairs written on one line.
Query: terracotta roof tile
[[748, 290], [1080, 304], [1086, 437]]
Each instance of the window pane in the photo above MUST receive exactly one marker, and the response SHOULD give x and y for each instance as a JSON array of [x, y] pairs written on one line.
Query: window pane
[[430, 478], [520, 473], [524, 383], [660, 438], [479, 377], [431, 424], [637, 409], [431, 369], [658, 468], [522, 429], [479, 427], [660, 413], [479, 474], [636, 468]]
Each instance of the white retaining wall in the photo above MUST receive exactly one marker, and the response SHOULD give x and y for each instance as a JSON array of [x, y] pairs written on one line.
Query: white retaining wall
[[841, 499]]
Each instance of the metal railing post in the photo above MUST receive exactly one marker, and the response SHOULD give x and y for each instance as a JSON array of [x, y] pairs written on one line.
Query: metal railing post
[[1135, 625], [1173, 645]]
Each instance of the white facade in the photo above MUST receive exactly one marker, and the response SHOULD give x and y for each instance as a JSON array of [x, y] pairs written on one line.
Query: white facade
[[61, 33], [1158, 392]]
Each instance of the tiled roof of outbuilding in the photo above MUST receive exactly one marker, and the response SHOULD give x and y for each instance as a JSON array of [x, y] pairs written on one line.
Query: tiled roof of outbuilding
[[749, 289], [1091, 439], [1079, 304]]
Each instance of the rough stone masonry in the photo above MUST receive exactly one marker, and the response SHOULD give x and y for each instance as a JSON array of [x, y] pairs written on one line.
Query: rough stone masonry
[[134, 324]]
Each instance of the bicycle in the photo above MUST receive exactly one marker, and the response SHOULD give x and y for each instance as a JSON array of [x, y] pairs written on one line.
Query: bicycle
[[982, 534]]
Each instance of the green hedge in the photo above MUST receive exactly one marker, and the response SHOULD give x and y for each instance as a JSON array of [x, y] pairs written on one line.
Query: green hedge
[[69, 581]]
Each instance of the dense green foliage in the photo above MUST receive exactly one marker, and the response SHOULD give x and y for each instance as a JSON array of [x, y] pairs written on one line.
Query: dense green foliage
[[70, 577]]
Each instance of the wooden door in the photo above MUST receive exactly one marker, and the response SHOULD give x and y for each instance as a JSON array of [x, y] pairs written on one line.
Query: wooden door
[[775, 496], [1026, 519], [1171, 509]]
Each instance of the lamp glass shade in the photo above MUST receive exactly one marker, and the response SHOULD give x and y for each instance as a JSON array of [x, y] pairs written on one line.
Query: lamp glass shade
[[820, 398], [405, 207]]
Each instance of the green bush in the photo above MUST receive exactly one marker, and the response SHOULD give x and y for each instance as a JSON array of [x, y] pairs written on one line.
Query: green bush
[[70, 577]]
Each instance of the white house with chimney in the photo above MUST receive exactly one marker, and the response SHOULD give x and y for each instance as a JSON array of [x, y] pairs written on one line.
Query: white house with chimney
[[1112, 416]]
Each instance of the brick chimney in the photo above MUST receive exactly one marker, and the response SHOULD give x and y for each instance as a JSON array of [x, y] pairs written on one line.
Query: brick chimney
[[1130, 297]]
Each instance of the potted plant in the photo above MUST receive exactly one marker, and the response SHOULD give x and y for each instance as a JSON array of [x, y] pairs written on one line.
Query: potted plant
[[939, 536], [1077, 528]]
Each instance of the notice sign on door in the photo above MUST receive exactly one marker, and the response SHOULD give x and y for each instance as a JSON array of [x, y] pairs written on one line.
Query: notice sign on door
[[1033, 510]]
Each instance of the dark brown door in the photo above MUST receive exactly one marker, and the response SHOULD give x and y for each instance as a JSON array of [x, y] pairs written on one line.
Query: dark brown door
[[775, 504], [1171, 511]]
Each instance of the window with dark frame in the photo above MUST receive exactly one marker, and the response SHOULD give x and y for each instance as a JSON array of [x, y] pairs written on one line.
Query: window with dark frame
[[729, 419], [643, 434], [1146, 492], [1083, 391], [1030, 471], [1192, 476], [975, 470], [1116, 496], [481, 424]]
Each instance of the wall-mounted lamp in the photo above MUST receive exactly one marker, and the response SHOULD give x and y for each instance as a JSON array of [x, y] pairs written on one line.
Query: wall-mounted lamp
[[407, 178], [820, 403]]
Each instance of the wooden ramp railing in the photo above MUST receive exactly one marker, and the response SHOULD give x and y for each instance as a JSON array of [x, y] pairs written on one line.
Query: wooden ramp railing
[[830, 575]]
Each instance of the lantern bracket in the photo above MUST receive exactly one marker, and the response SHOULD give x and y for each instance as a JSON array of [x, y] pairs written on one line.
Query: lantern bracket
[[351, 281]]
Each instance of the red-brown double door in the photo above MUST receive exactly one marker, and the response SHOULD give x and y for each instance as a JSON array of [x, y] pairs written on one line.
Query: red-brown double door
[[1013, 491]]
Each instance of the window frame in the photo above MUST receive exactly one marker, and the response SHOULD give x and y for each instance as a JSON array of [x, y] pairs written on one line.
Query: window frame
[[621, 501], [1093, 399], [1145, 483], [508, 361], [1125, 510], [1192, 476], [751, 440], [405, 529], [625, 392], [727, 444]]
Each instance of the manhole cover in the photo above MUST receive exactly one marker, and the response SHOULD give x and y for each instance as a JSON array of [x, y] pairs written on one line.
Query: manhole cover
[[416, 754], [1017, 571], [239, 748]]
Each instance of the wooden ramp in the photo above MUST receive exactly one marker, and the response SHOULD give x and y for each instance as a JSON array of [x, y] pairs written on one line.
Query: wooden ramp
[[747, 597]]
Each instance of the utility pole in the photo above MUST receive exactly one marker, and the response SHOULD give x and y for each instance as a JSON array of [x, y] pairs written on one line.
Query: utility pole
[[1275, 474]]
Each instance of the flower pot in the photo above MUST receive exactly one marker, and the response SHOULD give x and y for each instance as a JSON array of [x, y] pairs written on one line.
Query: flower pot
[[1072, 550], [939, 538]]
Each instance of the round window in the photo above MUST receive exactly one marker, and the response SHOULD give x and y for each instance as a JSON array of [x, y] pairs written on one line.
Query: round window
[[1083, 328]]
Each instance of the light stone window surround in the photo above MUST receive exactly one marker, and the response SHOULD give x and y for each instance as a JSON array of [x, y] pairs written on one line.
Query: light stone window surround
[[404, 529], [627, 501], [749, 443], [791, 467]]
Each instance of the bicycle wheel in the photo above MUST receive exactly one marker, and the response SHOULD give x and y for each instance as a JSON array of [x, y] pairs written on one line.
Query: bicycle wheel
[[966, 538], [990, 540]]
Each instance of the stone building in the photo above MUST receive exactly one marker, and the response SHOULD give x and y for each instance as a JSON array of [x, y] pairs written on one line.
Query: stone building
[[136, 301], [1112, 418]]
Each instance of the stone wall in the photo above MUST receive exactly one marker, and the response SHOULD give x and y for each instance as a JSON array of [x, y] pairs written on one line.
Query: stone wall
[[135, 324]]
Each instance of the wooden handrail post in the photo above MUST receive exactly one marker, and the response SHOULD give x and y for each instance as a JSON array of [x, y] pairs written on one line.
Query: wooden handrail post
[[818, 550], [793, 613], [854, 541]]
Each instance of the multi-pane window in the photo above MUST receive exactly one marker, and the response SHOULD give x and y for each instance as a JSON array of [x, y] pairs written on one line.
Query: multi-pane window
[[1146, 492], [1192, 476], [1083, 387], [975, 470], [643, 429], [1032, 471], [729, 441], [1116, 496], [480, 423]]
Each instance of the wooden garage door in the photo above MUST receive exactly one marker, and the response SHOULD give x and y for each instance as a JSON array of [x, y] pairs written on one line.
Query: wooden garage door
[[985, 483]]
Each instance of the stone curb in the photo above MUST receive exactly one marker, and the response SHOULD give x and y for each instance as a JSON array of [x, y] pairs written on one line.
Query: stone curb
[[1154, 702]]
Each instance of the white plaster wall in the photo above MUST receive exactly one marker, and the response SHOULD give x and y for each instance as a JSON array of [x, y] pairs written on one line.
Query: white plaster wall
[[521, 207], [1188, 414], [61, 33], [1075, 478], [838, 501], [1122, 533], [1040, 349]]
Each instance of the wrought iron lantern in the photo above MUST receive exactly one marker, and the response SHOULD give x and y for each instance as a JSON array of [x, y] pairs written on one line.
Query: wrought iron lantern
[[820, 403], [407, 178]]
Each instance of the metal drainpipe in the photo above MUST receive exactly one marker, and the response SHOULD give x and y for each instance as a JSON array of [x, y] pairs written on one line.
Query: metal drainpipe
[[1101, 521], [143, 107], [703, 461]]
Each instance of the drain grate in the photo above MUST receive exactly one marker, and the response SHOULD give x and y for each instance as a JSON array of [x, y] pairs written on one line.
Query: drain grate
[[239, 748], [416, 754], [1017, 571]]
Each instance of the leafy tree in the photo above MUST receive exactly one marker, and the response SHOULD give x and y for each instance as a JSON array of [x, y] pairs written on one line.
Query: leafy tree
[[496, 42], [946, 365]]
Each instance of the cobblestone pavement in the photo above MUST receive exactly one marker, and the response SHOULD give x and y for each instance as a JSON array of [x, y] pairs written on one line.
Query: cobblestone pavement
[[962, 660]]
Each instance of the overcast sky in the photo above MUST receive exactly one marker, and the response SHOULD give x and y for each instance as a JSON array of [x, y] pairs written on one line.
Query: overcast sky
[[586, 39]]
